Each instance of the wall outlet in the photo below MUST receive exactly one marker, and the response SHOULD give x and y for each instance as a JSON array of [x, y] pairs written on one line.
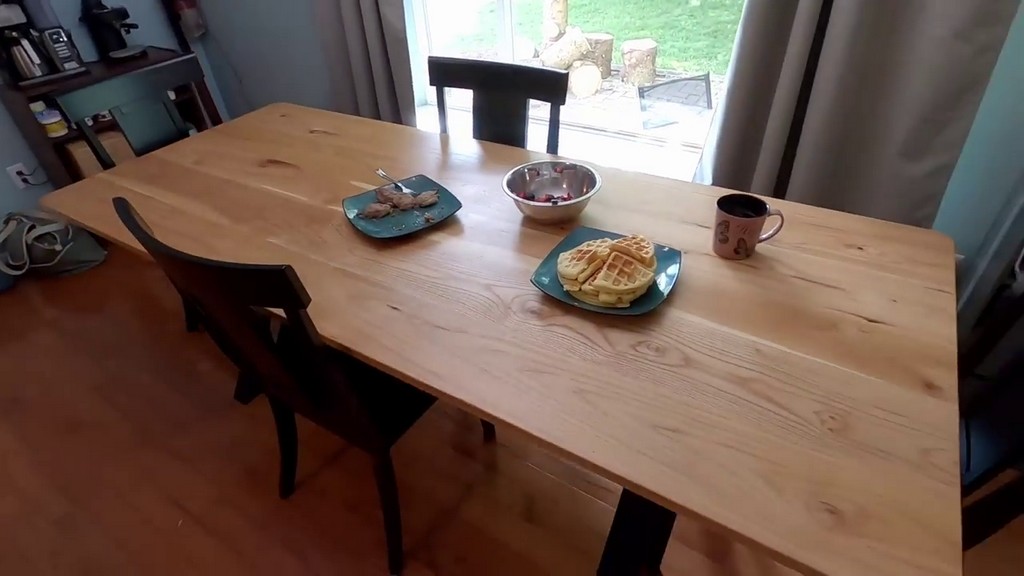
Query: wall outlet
[[12, 171]]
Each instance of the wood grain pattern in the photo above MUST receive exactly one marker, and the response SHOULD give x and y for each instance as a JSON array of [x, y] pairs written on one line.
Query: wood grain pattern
[[120, 457], [803, 400]]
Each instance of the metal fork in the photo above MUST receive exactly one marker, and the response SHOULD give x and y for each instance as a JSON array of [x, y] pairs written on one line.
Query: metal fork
[[402, 187]]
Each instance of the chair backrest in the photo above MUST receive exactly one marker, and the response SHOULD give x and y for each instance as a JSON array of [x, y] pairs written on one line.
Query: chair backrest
[[139, 102], [1003, 313], [230, 296], [501, 96]]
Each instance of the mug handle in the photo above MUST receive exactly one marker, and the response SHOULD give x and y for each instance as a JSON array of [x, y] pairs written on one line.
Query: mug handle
[[778, 227]]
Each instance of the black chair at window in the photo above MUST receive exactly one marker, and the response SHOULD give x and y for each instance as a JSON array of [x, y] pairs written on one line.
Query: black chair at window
[[501, 96], [295, 370]]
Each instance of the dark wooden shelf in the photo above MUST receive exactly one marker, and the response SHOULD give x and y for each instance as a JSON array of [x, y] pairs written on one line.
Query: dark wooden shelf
[[196, 103], [97, 127], [100, 71]]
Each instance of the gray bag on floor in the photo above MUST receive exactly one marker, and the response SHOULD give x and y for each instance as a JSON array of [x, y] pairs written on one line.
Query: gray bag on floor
[[40, 243]]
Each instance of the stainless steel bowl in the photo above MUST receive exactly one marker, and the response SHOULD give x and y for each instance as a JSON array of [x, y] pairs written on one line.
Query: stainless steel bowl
[[570, 185]]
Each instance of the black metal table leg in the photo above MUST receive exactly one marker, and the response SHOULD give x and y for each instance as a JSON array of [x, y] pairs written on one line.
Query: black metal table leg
[[638, 537]]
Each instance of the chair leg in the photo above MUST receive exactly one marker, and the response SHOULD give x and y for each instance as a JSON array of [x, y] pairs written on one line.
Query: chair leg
[[638, 537], [387, 487], [247, 388], [490, 434], [193, 319], [288, 444]]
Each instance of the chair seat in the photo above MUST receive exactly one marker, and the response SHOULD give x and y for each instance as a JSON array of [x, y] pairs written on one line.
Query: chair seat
[[992, 436], [393, 405], [390, 405]]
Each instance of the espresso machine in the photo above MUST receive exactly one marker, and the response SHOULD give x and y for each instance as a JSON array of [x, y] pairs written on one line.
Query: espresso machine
[[108, 25]]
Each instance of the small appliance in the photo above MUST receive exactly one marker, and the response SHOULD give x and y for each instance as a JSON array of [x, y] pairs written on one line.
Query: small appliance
[[108, 25], [60, 49], [30, 56]]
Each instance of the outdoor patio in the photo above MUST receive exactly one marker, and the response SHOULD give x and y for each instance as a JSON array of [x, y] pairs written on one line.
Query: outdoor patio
[[682, 111], [655, 121]]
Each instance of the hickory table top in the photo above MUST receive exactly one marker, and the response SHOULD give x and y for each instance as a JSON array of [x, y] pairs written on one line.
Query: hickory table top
[[804, 400]]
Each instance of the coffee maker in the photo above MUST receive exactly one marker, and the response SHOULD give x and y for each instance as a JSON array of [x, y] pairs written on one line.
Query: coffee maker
[[107, 26]]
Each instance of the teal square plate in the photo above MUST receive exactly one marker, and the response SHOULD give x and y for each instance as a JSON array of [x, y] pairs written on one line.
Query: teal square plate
[[666, 272], [401, 223]]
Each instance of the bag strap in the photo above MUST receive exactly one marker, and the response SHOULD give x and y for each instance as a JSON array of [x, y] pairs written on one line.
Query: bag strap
[[6, 266], [30, 233], [9, 224], [51, 230], [42, 230]]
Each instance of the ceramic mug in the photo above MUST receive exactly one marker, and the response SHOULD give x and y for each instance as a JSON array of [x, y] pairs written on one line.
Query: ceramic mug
[[738, 225]]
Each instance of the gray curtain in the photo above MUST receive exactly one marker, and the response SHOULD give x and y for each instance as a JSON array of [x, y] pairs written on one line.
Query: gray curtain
[[855, 105], [367, 51]]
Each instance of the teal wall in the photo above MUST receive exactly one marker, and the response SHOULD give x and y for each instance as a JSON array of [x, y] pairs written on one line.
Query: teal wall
[[153, 30], [13, 150], [983, 209], [270, 52], [991, 166]]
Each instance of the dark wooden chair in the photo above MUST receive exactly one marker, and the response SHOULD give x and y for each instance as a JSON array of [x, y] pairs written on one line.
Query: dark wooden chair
[[295, 370], [991, 426], [147, 117], [138, 102], [501, 96]]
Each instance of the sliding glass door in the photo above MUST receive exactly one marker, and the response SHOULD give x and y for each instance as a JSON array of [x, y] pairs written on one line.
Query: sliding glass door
[[651, 76]]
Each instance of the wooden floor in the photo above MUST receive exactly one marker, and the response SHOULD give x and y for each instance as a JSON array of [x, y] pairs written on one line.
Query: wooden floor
[[121, 452]]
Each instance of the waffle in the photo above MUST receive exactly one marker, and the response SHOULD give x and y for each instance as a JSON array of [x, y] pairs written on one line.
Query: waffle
[[639, 248], [608, 273], [621, 274], [579, 264], [606, 300]]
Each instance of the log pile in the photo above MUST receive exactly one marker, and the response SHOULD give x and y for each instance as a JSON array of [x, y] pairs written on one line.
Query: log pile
[[639, 60], [600, 53], [566, 50], [584, 78], [588, 57], [556, 19]]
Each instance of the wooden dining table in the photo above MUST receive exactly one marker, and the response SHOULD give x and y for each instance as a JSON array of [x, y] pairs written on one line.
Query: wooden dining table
[[803, 401]]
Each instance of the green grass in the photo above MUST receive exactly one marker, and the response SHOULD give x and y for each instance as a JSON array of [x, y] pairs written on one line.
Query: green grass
[[693, 36]]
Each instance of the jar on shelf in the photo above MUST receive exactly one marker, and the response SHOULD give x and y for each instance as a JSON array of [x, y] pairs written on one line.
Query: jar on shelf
[[51, 119]]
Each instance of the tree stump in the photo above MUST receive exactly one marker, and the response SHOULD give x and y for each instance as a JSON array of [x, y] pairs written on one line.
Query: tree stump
[[601, 46], [639, 58], [568, 49], [584, 78], [556, 19]]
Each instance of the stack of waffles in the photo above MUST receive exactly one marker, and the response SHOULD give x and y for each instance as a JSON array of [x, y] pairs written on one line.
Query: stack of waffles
[[608, 273]]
